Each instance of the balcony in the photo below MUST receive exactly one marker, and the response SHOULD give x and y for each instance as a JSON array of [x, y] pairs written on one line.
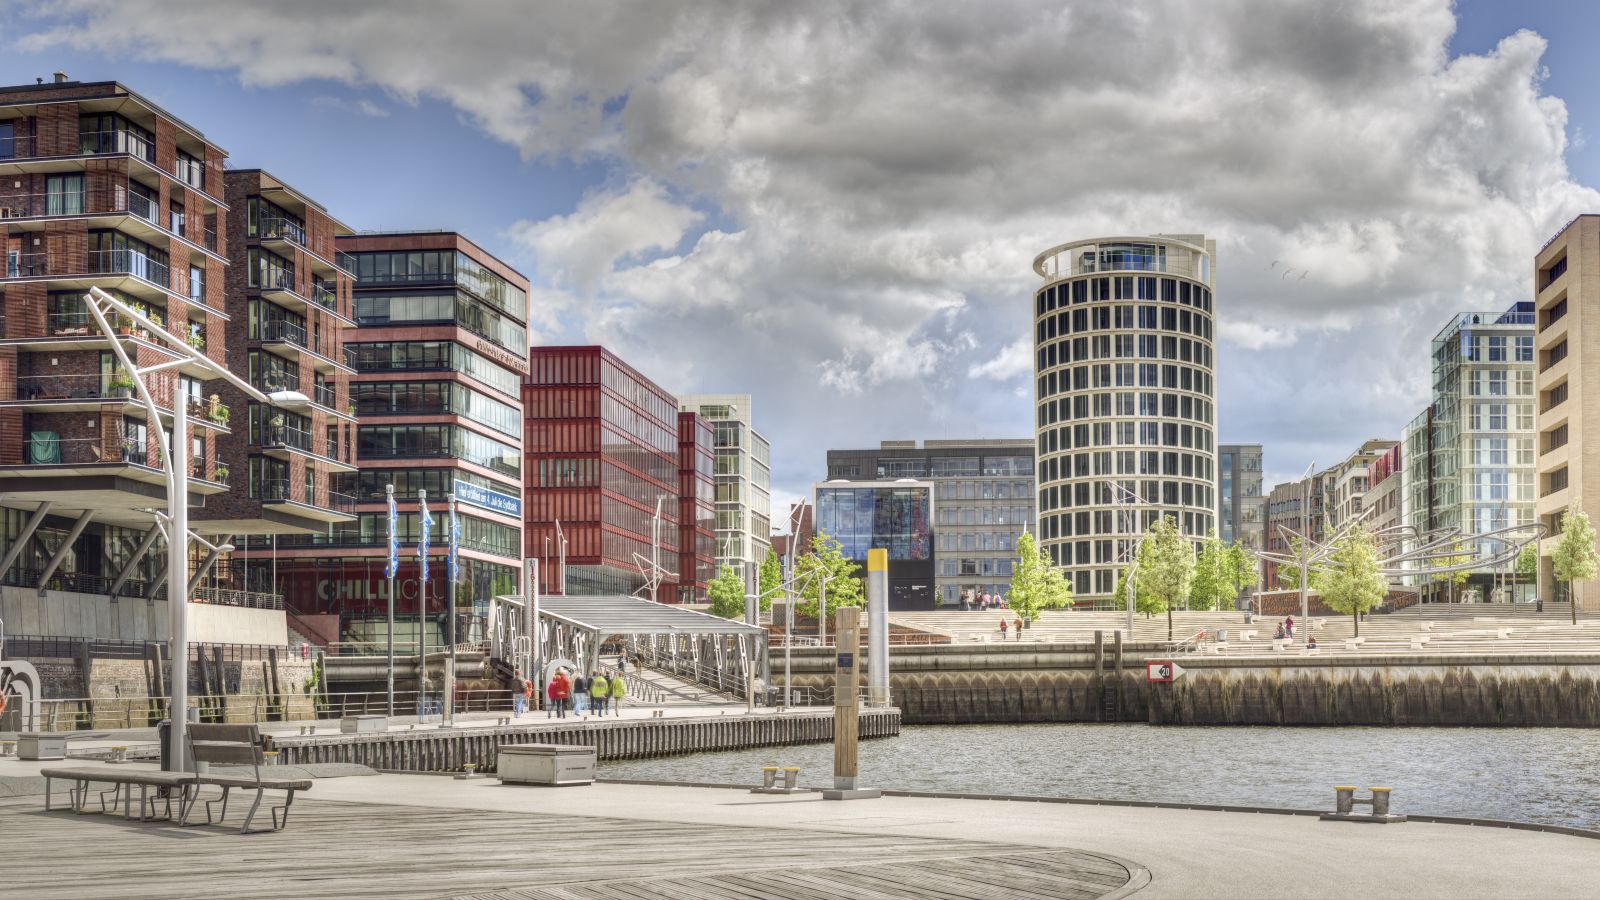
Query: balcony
[[280, 441], [278, 493], [284, 234], [130, 271]]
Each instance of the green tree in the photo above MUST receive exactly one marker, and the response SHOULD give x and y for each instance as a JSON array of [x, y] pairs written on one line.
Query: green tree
[[1240, 569], [827, 559], [1527, 565], [1209, 586], [1574, 557], [768, 578], [1351, 583], [1289, 573], [1036, 585], [1119, 597], [727, 594], [1166, 566]]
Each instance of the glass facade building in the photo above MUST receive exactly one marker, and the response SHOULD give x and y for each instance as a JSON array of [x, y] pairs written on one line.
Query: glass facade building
[[697, 507], [1124, 398], [602, 454], [985, 492], [1241, 504], [744, 478], [896, 516]]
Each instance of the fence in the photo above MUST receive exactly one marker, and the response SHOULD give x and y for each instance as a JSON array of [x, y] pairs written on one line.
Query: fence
[[85, 713]]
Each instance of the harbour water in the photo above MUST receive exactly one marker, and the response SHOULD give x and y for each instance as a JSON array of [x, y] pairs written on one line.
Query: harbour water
[[1549, 775]]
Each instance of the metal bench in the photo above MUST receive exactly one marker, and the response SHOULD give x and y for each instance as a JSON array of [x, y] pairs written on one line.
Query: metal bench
[[122, 782], [238, 746]]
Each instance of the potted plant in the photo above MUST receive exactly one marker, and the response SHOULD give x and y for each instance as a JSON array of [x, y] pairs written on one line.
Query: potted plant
[[218, 413], [121, 384], [155, 318], [124, 325], [197, 340], [222, 474]]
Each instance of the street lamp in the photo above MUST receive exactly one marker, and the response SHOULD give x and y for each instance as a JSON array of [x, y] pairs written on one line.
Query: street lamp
[[175, 466]]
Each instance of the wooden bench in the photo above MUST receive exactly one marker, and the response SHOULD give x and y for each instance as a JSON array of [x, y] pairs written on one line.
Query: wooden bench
[[119, 779], [238, 746]]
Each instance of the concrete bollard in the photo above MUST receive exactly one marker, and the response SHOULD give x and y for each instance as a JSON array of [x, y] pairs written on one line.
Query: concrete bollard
[[1344, 801], [1380, 801], [119, 754]]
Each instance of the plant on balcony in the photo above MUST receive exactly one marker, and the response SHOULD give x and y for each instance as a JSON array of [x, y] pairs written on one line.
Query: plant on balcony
[[132, 451], [218, 413], [222, 474], [120, 384], [197, 340]]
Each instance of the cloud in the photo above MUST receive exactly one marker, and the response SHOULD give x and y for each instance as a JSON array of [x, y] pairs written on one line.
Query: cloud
[[1015, 360], [358, 106], [873, 180]]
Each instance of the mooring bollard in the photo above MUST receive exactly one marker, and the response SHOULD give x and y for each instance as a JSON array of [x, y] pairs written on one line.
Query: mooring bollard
[[769, 777], [1344, 798], [8, 748], [1380, 801], [1345, 801], [119, 754]]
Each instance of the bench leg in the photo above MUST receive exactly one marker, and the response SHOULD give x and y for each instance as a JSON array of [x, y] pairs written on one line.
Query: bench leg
[[186, 802], [210, 803], [245, 828], [278, 825]]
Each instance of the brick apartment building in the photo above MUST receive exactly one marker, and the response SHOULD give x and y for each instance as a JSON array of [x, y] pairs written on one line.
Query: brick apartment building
[[606, 447], [100, 187]]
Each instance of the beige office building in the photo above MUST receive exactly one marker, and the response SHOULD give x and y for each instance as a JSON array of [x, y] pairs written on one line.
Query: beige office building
[[1567, 355]]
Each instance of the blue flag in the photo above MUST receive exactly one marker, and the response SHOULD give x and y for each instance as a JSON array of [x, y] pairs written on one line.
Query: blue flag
[[422, 545], [455, 539], [394, 540]]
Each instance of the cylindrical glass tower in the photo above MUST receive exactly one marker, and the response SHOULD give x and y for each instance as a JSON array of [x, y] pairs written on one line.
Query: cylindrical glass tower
[[1124, 398]]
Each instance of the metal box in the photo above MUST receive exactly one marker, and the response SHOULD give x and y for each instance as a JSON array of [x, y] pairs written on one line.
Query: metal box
[[548, 764], [42, 745], [363, 724]]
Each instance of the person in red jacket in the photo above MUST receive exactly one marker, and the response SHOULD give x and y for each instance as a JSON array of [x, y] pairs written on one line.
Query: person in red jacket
[[560, 691]]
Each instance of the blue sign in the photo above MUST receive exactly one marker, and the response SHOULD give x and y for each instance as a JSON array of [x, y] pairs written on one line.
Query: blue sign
[[494, 501]]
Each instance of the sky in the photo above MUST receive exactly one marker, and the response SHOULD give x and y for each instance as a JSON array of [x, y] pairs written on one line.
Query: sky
[[834, 206]]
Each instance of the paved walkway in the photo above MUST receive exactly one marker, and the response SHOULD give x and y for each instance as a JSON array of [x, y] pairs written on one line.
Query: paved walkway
[[430, 836]]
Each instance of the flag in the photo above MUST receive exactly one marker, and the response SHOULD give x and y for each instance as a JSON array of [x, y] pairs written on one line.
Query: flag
[[455, 539], [394, 540], [422, 545]]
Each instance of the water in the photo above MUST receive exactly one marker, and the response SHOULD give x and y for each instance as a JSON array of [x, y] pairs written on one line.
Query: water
[[1548, 775]]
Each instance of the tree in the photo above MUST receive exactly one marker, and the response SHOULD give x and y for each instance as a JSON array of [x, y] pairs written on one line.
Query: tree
[[827, 560], [1527, 565], [768, 578], [1240, 570], [1166, 566], [727, 594], [1036, 585], [1351, 582], [1574, 557], [1209, 586], [1143, 602], [1289, 573]]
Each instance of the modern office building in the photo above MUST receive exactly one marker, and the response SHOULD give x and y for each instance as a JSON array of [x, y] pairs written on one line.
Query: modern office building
[[1566, 275], [697, 507], [289, 307], [1299, 505], [1470, 453], [100, 187], [1241, 505], [896, 516], [744, 479], [1125, 398], [984, 492], [1348, 482], [1386, 497], [603, 449], [438, 351]]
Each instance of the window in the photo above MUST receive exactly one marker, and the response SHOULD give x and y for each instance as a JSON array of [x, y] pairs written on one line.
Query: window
[[63, 195], [8, 140]]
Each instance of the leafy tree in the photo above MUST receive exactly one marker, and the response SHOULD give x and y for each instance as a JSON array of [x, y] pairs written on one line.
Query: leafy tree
[[1209, 586], [1574, 558], [1166, 566], [768, 577], [1036, 585], [1527, 565], [1240, 570], [827, 558], [727, 594], [1352, 583], [1289, 573], [1119, 597]]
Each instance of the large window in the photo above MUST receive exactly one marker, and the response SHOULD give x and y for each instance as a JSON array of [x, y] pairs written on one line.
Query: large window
[[453, 308], [894, 518], [434, 356], [265, 219], [111, 133], [268, 270], [370, 483], [432, 441], [404, 266], [435, 397], [115, 252]]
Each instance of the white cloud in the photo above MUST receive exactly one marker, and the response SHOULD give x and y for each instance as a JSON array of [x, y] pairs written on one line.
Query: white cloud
[[880, 176], [359, 106], [1015, 360]]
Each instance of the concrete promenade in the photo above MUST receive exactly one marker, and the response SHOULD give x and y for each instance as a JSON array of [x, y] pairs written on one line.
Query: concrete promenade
[[430, 836]]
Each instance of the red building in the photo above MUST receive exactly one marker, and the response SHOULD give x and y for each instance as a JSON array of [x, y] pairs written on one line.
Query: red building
[[697, 507], [601, 464]]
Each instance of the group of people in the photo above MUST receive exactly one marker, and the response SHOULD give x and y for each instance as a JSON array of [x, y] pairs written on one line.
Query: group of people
[[1285, 629], [982, 600], [1016, 625], [596, 694]]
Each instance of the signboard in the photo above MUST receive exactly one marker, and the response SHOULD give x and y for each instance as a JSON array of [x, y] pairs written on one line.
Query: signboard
[[1160, 671], [847, 661], [494, 501]]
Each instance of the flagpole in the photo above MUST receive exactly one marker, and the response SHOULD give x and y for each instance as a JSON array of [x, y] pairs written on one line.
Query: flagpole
[[389, 571], [450, 620], [422, 606]]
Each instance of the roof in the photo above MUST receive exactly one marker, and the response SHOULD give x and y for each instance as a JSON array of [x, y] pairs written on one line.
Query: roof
[[616, 614]]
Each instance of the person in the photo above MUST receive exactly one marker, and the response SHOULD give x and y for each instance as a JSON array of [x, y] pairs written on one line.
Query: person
[[622, 662], [964, 605], [1288, 627], [619, 689], [983, 600], [1277, 633], [1018, 624], [559, 692], [520, 695], [599, 690], [1311, 643], [1002, 628], [580, 694]]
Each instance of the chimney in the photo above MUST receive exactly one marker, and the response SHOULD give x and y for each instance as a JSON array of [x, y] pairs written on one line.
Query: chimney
[[61, 77]]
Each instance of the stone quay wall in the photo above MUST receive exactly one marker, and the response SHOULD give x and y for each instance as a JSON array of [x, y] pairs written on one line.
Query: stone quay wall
[[449, 751]]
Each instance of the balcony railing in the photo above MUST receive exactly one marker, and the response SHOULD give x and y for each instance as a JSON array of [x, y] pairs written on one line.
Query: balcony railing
[[116, 141], [46, 449], [97, 262], [70, 387], [279, 490], [280, 228], [324, 297], [285, 436], [283, 330], [324, 396]]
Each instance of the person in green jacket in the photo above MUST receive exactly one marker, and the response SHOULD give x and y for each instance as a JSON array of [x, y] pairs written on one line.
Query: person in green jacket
[[598, 692], [618, 691]]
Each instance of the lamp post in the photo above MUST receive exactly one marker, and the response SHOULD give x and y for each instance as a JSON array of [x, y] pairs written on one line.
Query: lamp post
[[173, 449]]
